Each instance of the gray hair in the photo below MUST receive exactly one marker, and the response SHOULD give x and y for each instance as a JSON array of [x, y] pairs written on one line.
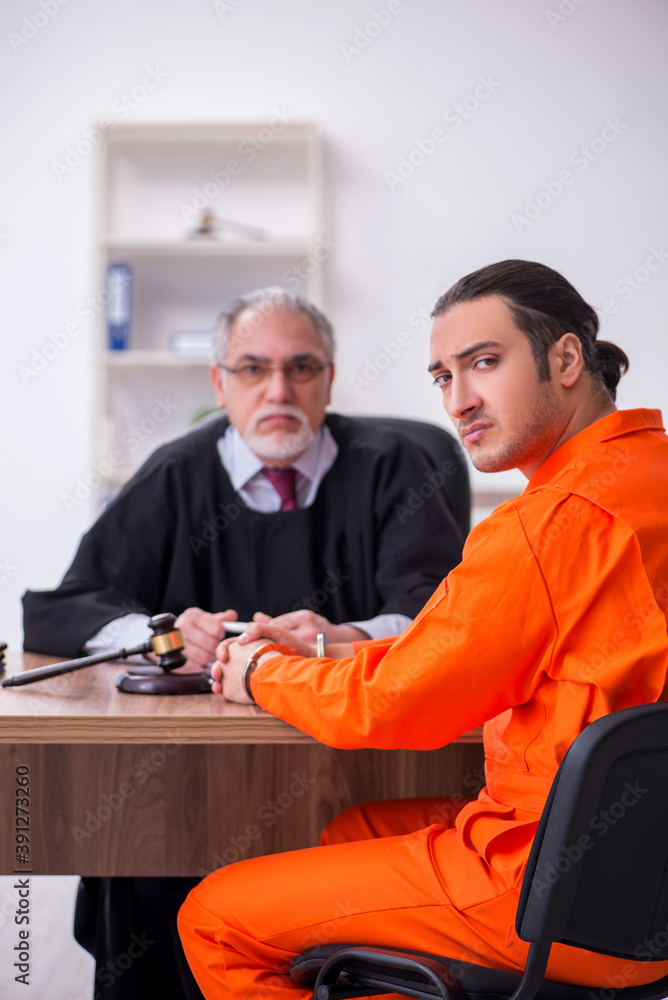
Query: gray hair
[[262, 301]]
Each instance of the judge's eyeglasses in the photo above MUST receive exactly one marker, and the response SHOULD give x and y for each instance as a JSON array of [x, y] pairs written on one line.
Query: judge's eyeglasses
[[253, 372]]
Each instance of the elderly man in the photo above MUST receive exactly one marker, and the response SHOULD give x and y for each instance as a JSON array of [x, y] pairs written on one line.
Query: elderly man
[[275, 510], [555, 616], [190, 533]]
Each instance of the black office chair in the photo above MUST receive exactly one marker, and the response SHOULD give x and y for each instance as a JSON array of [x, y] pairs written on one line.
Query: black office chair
[[445, 454], [597, 878]]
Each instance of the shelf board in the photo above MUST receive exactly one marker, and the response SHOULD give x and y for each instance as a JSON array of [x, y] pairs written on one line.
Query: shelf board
[[219, 133], [210, 247], [151, 359]]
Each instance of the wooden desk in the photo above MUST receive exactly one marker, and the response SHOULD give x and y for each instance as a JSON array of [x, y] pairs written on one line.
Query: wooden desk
[[124, 784]]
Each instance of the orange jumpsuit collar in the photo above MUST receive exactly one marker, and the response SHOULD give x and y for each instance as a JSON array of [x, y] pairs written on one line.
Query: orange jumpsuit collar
[[614, 425]]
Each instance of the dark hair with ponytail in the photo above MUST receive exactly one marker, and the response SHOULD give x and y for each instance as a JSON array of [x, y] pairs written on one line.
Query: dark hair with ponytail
[[545, 306]]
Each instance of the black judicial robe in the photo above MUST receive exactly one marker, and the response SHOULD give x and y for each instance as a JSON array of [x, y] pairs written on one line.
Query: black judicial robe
[[178, 536]]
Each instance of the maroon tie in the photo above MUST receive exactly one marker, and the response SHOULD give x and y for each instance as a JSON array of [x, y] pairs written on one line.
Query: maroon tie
[[283, 481]]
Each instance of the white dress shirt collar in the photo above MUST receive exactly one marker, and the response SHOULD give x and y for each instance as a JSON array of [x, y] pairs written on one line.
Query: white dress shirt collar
[[245, 469]]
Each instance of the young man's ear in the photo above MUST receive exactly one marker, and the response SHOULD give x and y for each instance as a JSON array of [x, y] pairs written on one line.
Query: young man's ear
[[217, 381], [567, 360]]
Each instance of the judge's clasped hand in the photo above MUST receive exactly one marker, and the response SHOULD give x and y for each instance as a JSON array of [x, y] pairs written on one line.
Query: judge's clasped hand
[[201, 633], [306, 625]]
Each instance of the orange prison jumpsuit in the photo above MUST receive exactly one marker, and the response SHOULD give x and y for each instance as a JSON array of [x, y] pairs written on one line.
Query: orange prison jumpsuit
[[555, 616]]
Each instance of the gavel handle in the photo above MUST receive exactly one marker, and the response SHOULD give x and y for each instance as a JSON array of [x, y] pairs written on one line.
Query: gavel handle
[[54, 669]]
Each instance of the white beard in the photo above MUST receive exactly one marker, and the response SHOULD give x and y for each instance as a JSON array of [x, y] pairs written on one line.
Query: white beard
[[284, 447]]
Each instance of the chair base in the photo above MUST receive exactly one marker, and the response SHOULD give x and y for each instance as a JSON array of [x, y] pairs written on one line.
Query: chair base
[[469, 980]]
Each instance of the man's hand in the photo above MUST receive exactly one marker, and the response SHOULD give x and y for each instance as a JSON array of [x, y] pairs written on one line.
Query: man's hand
[[231, 656], [227, 675], [306, 625], [202, 632]]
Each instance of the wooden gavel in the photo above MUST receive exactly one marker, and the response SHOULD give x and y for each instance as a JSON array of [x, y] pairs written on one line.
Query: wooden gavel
[[166, 642]]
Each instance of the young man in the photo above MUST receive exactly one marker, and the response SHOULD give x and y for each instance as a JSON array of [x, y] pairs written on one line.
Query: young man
[[556, 616], [207, 525]]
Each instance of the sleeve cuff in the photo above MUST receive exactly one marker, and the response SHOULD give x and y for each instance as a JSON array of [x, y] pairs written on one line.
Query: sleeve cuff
[[130, 630], [383, 625]]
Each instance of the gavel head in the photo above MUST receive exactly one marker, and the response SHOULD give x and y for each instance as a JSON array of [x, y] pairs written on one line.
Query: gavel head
[[167, 642]]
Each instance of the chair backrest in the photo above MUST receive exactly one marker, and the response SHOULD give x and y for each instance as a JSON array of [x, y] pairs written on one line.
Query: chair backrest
[[597, 875], [446, 455]]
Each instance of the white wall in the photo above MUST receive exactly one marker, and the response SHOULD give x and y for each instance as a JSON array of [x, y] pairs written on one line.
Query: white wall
[[556, 79], [554, 82]]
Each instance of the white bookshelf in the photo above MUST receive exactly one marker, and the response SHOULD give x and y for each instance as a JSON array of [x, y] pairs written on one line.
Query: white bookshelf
[[154, 182]]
